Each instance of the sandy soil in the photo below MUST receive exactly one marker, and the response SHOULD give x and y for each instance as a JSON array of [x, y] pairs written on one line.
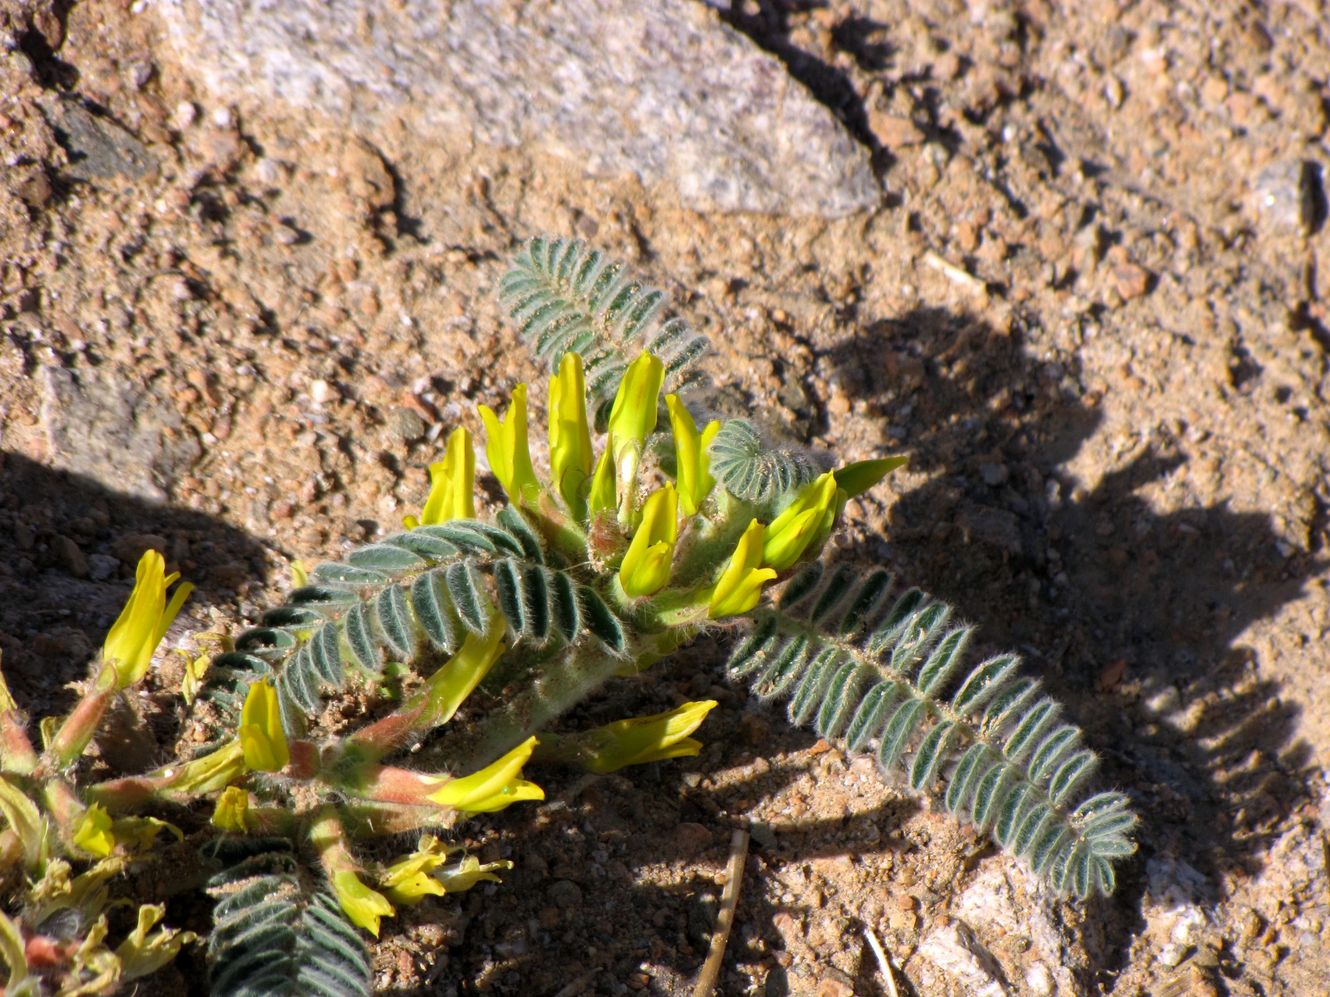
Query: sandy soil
[[1091, 309]]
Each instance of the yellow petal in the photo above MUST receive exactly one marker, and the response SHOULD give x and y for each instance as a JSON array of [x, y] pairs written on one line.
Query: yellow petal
[[468, 872], [646, 564], [855, 479], [449, 686], [261, 735], [408, 881], [452, 483], [633, 415], [570, 434], [691, 461], [145, 951], [362, 905], [803, 524], [481, 789], [740, 586], [601, 498], [508, 451], [143, 622], [232, 810], [93, 834], [645, 739]]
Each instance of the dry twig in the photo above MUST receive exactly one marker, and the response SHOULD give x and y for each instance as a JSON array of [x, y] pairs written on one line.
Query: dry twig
[[883, 962], [729, 900]]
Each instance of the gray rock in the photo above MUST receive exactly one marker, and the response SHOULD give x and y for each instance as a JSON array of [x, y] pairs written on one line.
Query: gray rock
[[1284, 196], [118, 434], [662, 90], [97, 147]]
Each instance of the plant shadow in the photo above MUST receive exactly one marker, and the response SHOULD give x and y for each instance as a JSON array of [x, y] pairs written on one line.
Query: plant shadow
[[68, 549], [1131, 616]]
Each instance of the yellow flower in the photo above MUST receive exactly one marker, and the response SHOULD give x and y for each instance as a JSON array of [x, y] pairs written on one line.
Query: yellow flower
[[452, 484], [408, 881], [507, 450], [143, 622], [855, 479], [601, 498], [645, 739], [261, 736], [449, 686], [232, 810], [570, 436], [362, 905], [145, 951], [93, 833], [467, 873], [805, 523], [633, 414], [740, 584], [691, 461], [209, 774], [646, 565], [494, 787], [632, 420]]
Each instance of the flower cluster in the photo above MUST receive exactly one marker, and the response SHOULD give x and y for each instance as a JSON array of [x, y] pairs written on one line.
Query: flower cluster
[[587, 493]]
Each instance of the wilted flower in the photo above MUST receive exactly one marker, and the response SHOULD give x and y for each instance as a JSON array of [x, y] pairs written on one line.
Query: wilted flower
[[644, 739]]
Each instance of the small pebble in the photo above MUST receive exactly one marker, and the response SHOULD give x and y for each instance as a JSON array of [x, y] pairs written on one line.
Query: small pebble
[[1131, 281]]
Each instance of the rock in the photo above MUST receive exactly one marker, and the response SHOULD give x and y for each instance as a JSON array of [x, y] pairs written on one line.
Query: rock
[[70, 557], [1130, 281], [115, 432], [691, 839], [565, 894], [894, 132], [662, 90], [98, 148], [954, 950], [1284, 197]]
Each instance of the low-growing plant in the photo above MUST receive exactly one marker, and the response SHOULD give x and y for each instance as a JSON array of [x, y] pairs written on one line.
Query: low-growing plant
[[647, 532]]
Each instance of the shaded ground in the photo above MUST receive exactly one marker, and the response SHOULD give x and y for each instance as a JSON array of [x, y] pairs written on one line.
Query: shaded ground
[[1091, 309]]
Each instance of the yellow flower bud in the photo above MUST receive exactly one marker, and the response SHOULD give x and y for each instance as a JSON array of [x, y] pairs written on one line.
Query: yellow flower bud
[[740, 584], [646, 565], [143, 622], [492, 788], [570, 435], [804, 525], [507, 449], [691, 461], [602, 495], [452, 484], [261, 736], [633, 415]]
